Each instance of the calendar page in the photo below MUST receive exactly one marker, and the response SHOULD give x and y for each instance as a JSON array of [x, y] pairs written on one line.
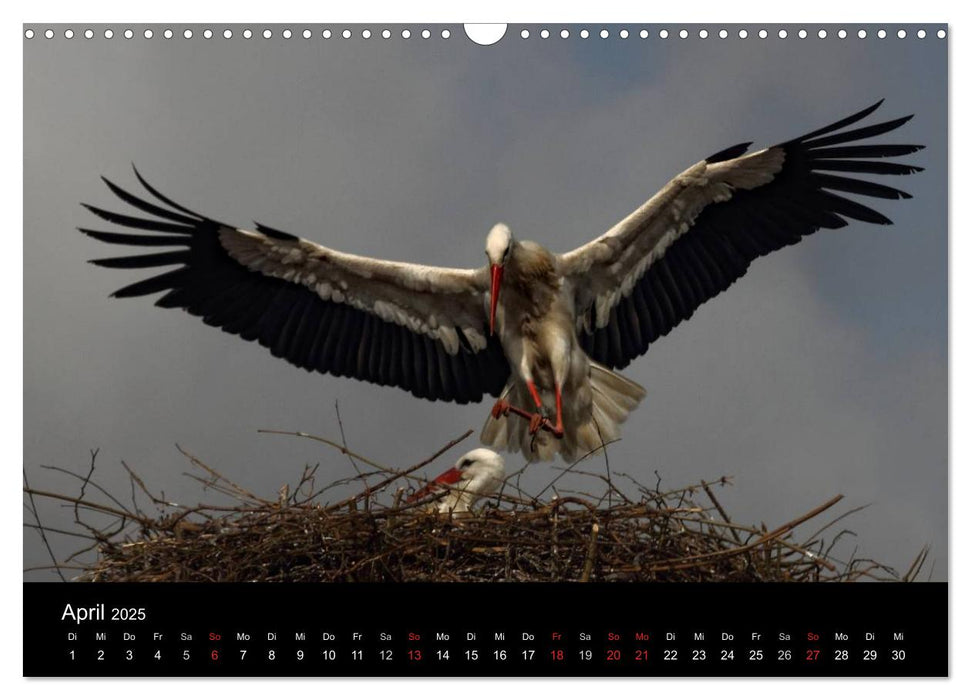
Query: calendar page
[[485, 350]]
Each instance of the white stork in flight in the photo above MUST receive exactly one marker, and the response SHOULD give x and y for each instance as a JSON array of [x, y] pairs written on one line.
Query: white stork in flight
[[541, 331], [475, 475]]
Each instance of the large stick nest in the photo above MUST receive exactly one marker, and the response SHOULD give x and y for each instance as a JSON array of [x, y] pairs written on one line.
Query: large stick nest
[[647, 534]]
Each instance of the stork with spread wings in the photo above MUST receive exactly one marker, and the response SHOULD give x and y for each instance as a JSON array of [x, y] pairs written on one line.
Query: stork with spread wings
[[543, 332]]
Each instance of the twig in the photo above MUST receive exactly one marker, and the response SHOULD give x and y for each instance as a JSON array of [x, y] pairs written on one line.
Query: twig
[[918, 563], [340, 426], [399, 475], [566, 471], [77, 502], [721, 511], [219, 477], [93, 483], [40, 528], [591, 553]]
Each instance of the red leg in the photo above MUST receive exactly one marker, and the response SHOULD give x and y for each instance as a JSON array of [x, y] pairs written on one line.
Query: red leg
[[558, 430], [535, 393]]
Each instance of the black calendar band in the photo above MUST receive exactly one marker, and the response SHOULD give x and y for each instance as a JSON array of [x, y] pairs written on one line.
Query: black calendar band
[[334, 630]]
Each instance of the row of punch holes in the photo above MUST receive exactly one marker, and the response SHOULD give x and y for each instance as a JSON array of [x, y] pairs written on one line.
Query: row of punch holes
[[30, 33]]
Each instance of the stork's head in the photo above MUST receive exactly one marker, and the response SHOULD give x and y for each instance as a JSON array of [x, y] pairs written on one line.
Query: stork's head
[[480, 473], [476, 474], [481, 463], [499, 243]]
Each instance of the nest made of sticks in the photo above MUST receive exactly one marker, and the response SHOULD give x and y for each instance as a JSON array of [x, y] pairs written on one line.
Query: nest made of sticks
[[648, 534]]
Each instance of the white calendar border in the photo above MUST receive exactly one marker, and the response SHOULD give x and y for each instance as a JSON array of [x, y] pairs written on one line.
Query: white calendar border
[[511, 11]]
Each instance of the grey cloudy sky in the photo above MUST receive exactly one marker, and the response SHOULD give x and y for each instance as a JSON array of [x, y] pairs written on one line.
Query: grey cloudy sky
[[823, 371]]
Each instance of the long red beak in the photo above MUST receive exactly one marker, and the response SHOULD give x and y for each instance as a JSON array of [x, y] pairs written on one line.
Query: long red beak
[[494, 296], [448, 477]]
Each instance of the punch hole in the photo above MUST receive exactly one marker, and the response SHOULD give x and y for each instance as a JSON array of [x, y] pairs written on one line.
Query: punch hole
[[882, 34], [346, 33], [921, 34], [425, 34], [604, 33], [821, 33], [742, 34], [88, 34], [902, 34], [68, 33], [545, 34], [167, 34], [584, 34], [861, 33], [703, 34], [565, 34], [405, 33], [624, 33], [487, 34], [446, 34], [763, 34], [228, 34], [49, 34], [287, 34], [841, 33], [663, 33], [803, 33], [366, 34], [783, 33], [941, 34], [148, 33], [723, 34], [187, 34], [207, 34], [326, 34], [109, 33], [267, 33], [29, 34], [524, 34], [683, 34], [386, 34], [129, 34], [643, 34], [247, 33]]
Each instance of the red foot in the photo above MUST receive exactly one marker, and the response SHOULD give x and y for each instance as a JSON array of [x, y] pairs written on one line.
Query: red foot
[[501, 408], [539, 422], [536, 422]]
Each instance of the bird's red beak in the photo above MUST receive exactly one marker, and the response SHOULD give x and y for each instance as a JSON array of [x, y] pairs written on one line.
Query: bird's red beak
[[494, 296], [450, 476]]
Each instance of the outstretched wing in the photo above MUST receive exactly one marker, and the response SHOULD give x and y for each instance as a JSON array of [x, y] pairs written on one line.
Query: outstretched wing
[[696, 236], [420, 328]]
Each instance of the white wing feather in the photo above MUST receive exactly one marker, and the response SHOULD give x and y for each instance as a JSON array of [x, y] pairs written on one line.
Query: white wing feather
[[607, 268], [425, 299]]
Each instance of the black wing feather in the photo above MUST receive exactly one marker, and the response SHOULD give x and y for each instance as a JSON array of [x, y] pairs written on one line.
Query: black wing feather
[[727, 236], [290, 320]]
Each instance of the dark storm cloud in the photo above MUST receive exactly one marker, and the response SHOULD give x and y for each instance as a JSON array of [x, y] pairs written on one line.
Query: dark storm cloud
[[823, 371]]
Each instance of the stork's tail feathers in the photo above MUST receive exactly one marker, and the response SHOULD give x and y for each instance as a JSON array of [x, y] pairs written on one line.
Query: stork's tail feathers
[[613, 398]]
